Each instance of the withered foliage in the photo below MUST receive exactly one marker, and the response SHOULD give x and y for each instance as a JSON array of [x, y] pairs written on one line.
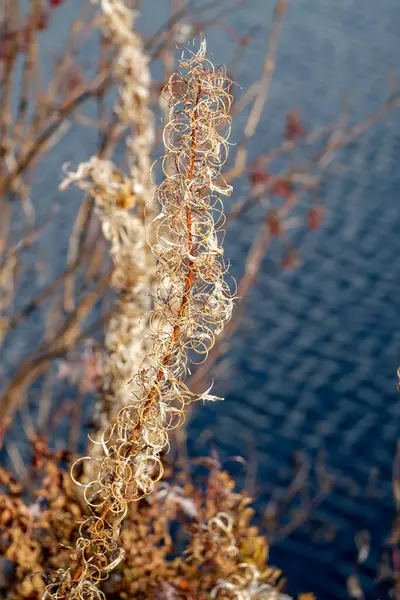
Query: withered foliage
[[190, 539]]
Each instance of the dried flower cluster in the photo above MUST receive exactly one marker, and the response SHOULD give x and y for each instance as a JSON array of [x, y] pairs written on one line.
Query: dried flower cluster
[[192, 303], [121, 203], [246, 584], [37, 529], [132, 277], [217, 550], [131, 67]]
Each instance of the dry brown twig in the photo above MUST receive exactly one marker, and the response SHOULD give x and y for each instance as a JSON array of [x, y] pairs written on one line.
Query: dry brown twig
[[192, 300], [261, 91], [39, 360]]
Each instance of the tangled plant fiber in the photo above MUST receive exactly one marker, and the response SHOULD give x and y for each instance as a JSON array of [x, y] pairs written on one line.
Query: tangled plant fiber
[[192, 301], [192, 539], [121, 203]]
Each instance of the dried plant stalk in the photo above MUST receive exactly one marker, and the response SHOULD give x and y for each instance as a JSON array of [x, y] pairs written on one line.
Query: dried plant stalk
[[121, 203], [193, 302]]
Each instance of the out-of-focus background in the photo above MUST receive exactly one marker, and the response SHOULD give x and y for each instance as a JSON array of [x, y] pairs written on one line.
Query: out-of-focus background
[[310, 376]]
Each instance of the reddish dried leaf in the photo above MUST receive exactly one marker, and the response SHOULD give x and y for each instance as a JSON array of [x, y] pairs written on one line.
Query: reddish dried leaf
[[314, 217], [294, 127], [44, 21], [274, 224], [291, 259], [283, 188], [259, 176]]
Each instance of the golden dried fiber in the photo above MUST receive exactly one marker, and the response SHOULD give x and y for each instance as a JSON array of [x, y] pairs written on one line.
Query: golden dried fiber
[[192, 304]]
